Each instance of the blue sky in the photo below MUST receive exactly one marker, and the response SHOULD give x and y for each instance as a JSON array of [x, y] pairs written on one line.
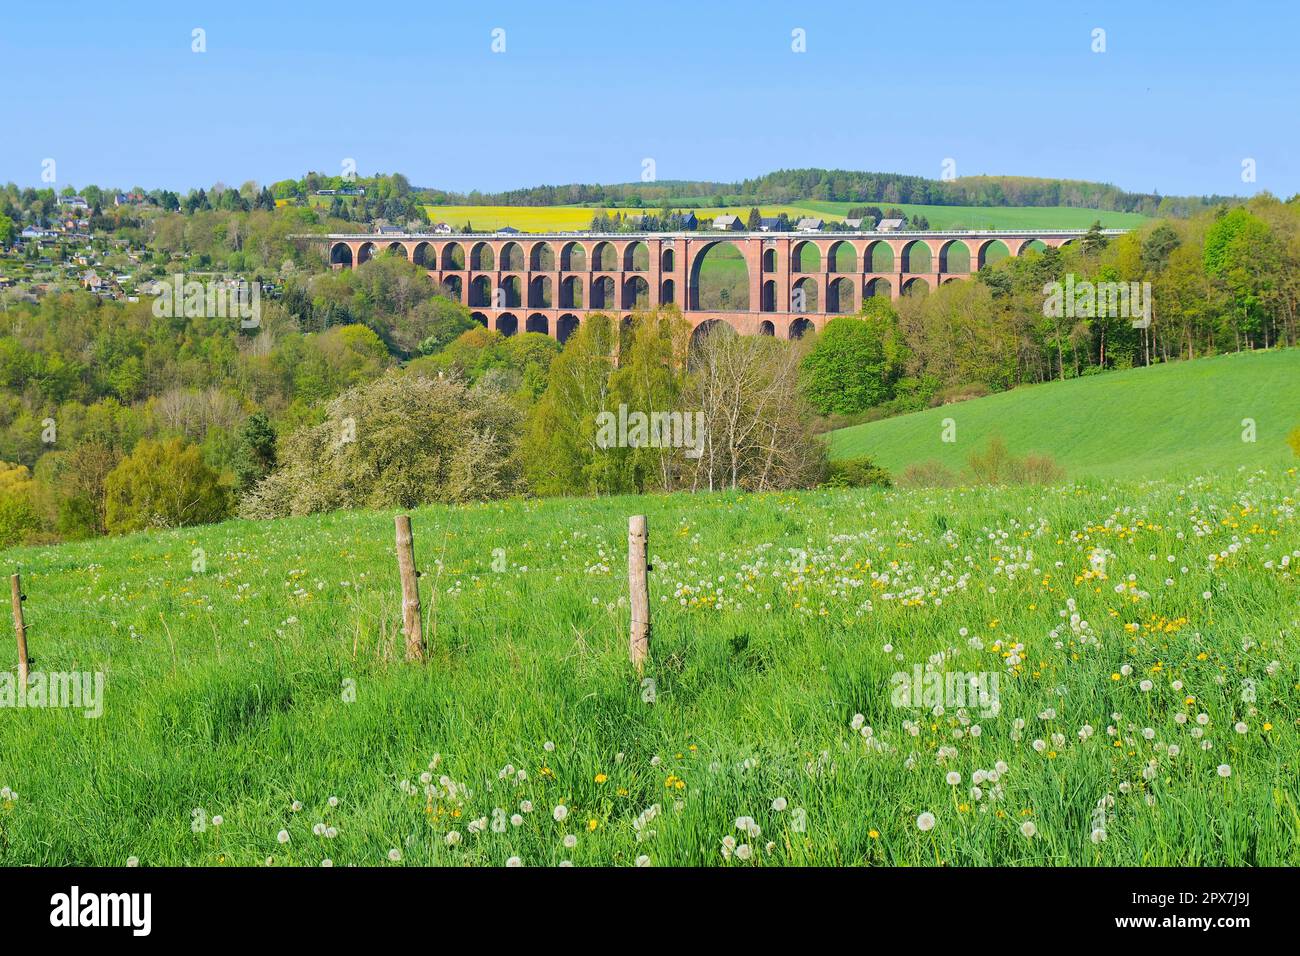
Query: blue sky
[[710, 90]]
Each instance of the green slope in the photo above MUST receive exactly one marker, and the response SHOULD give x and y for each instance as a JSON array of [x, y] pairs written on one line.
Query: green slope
[[1167, 419]]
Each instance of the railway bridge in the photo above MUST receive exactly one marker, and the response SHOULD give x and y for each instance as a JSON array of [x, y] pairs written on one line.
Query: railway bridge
[[793, 281]]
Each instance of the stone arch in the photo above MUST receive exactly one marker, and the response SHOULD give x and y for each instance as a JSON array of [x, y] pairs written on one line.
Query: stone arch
[[571, 292], [512, 257], [573, 257], [480, 291], [566, 326], [993, 251], [709, 327], [841, 296], [1032, 245], [366, 252], [507, 324], [769, 296], [482, 258], [636, 257], [603, 293], [541, 257], [916, 286], [340, 254], [801, 327], [769, 260], [538, 323], [539, 293], [636, 293], [805, 257], [916, 257], [881, 287], [668, 292], [397, 249], [667, 260], [604, 258], [766, 328], [452, 287], [480, 318], [723, 261], [420, 255], [453, 257], [512, 295], [803, 295], [954, 256], [841, 257], [878, 257]]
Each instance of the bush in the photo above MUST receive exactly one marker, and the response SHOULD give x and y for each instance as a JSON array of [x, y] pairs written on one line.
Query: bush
[[928, 474], [397, 442], [856, 473], [162, 485]]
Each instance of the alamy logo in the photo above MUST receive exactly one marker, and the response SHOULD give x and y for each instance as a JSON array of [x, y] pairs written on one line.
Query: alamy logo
[[949, 689], [75, 690], [103, 909], [654, 430], [213, 299], [1098, 300]]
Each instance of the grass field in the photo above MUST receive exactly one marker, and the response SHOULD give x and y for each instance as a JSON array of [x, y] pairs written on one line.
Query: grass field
[[1181, 417], [251, 675], [576, 218]]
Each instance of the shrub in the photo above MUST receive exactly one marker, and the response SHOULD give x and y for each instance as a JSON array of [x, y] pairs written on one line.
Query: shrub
[[856, 473], [162, 485], [397, 442], [928, 474]]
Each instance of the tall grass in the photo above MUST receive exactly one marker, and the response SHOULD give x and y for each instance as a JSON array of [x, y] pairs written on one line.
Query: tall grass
[[272, 675]]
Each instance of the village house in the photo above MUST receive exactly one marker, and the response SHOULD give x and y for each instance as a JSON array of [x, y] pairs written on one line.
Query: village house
[[728, 223]]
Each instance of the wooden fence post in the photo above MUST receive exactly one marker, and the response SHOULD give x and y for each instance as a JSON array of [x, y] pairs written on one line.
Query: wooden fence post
[[411, 622], [16, 589], [638, 590]]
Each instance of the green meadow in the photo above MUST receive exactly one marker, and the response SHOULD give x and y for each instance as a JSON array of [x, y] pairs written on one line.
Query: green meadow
[[1140, 637], [1177, 418]]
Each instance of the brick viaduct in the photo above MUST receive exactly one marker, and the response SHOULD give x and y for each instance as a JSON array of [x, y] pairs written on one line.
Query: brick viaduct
[[796, 281]]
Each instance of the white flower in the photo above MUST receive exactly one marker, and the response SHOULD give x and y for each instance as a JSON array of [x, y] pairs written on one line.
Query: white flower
[[516, 819], [526, 806], [548, 746], [570, 841], [132, 861], [1241, 727], [334, 801], [1225, 770], [394, 854], [1099, 835], [560, 812], [643, 860], [327, 862], [925, 822], [744, 852], [1028, 829], [218, 820], [514, 861], [453, 837], [953, 778], [282, 836], [779, 804]]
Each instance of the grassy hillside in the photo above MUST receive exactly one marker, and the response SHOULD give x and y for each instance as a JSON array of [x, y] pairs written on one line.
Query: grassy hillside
[[1179, 418], [574, 218], [251, 674]]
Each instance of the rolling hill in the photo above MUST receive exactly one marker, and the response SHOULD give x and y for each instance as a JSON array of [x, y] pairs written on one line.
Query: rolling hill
[[1177, 418], [574, 218]]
